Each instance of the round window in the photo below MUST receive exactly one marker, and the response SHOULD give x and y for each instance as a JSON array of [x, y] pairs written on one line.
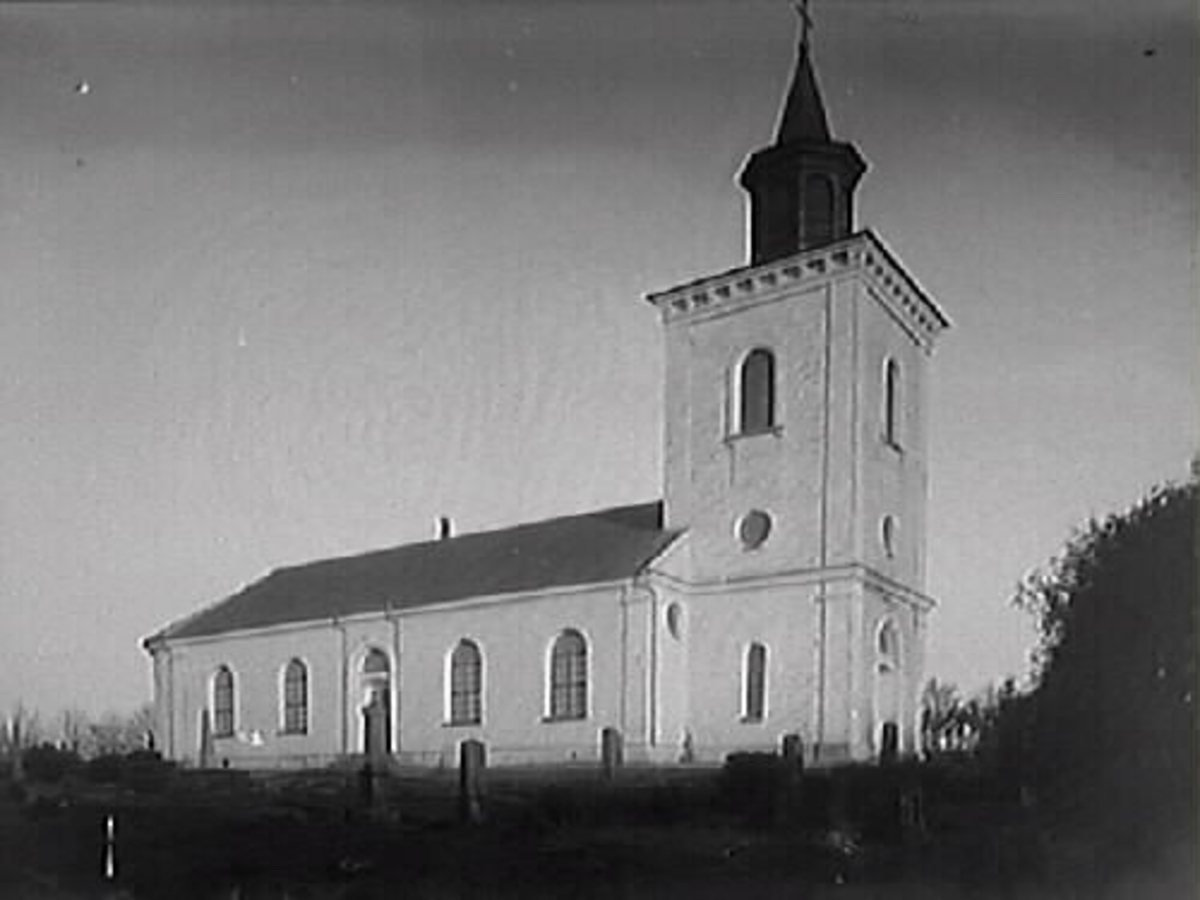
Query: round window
[[754, 528], [675, 620]]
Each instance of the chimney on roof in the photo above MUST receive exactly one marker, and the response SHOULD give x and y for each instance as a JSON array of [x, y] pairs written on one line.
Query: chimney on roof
[[445, 528]]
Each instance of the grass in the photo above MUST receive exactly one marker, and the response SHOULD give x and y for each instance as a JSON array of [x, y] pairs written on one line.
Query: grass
[[547, 833]]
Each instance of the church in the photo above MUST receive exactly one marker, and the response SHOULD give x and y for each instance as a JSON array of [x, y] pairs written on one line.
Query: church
[[776, 588]]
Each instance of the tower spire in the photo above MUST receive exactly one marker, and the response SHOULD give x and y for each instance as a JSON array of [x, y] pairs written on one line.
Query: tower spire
[[803, 116], [802, 186]]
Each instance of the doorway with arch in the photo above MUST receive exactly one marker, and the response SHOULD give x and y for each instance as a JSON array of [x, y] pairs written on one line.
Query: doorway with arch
[[886, 694], [375, 690]]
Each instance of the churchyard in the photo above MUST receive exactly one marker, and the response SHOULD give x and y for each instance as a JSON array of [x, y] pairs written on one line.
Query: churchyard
[[139, 828]]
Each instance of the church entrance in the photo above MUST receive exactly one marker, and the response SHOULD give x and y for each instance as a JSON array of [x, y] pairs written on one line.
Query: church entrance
[[376, 711], [887, 714]]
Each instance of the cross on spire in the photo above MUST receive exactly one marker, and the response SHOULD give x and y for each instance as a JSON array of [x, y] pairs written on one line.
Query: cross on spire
[[803, 112], [806, 21]]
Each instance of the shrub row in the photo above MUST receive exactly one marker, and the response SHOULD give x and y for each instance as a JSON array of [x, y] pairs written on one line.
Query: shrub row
[[142, 770]]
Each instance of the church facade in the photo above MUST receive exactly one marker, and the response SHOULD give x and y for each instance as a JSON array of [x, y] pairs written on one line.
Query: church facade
[[777, 588]]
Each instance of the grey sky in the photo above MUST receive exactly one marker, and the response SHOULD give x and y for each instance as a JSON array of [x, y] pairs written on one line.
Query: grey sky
[[291, 280]]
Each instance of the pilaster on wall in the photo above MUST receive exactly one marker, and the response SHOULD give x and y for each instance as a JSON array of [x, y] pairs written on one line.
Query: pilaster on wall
[[834, 675], [636, 712]]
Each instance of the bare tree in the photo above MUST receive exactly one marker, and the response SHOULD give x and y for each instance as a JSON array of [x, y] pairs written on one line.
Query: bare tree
[[107, 735], [940, 704], [73, 726], [141, 726], [22, 729], [118, 733]]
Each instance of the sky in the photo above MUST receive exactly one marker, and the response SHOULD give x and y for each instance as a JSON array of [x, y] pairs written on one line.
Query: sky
[[287, 280]]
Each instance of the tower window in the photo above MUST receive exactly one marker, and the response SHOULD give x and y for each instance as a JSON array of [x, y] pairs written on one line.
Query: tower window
[[887, 643], [753, 529], [675, 621], [755, 702], [818, 211], [466, 684], [887, 536], [891, 403], [756, 392]]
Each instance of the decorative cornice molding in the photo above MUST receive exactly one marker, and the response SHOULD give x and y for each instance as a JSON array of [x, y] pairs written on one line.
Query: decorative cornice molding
[[841, 574], [862, 254]]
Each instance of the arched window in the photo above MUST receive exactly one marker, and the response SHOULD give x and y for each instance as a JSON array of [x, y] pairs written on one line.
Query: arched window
[[887, 643], [887, 536], [466, 684], [295, 698], [818, 211], [755, 705], [568, 676], [891, 403], [756, 392], [223, 702]]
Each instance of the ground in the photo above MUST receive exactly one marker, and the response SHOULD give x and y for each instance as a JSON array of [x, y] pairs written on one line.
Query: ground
[[573, 833]]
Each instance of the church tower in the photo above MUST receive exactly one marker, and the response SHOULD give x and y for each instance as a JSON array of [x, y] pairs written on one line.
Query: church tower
[[795, 460]]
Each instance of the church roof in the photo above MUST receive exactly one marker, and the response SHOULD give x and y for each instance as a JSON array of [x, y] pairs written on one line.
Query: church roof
[[581, 549]]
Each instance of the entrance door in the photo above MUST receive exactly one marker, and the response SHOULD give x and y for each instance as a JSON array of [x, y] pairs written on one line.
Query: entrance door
[[377, 723], [376, 682], [887, 703], [885, 730]]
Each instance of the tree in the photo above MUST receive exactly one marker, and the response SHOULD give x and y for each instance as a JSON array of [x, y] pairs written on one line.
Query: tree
[[1113, 723], [74, 728], [22, 729], [117, 733], [940, 705]]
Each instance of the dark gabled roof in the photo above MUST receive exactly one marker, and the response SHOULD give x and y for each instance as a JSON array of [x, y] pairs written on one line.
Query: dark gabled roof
[[572, 550]]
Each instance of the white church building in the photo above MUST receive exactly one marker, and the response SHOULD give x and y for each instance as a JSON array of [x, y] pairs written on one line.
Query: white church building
[[777, 588]]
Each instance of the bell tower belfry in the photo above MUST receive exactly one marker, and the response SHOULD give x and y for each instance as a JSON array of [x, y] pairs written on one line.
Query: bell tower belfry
[[801, 187], [795, 461]]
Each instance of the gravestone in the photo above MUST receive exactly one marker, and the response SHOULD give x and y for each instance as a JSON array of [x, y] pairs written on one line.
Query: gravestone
[[687, 748], [366, 786], [206, 740], [375, 715], [889, 743], [612, 752], [792, 751], [912, 812], [472, 761]]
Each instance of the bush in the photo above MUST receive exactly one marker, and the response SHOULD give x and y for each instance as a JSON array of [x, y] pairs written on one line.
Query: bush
[[759, 786], [146, 771], [104, 769], [48, 764], [141, 770]]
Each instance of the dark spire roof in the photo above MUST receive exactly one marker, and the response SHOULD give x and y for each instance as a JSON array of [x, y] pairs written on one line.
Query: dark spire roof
[[803, 118]]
